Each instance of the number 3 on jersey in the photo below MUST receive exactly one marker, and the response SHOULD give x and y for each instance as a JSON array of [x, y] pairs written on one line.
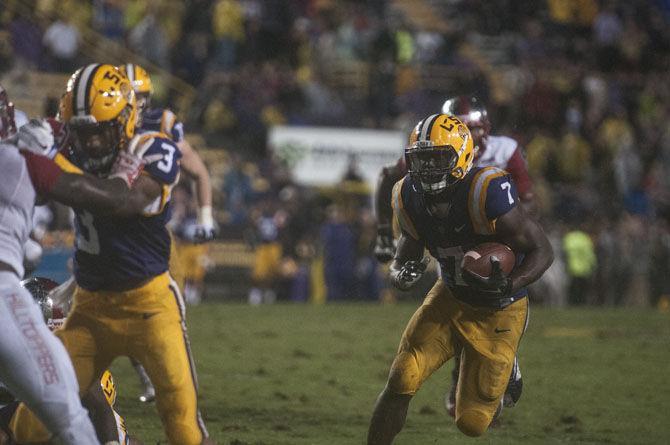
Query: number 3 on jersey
[[165, 164], [87, 237]]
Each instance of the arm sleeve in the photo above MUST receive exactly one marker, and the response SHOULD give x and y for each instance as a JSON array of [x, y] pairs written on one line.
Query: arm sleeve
[[516, 166], [43, 172]]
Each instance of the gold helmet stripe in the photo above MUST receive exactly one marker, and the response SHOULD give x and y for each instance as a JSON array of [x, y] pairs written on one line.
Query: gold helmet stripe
[[426, 127], [81, 88]]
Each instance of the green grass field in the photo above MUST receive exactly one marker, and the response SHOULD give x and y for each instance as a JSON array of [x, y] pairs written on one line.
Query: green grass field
[[301, 374]]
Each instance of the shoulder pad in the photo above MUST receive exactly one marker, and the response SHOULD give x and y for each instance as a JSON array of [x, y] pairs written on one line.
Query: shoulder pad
[[161, 156], [491, 194], [402, 222]]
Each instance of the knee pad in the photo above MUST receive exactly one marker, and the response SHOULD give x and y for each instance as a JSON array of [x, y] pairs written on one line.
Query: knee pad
[[405, 375], [473, 422], [492, 379]]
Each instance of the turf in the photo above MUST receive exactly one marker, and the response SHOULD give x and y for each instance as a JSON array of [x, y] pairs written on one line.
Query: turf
[[301, 374]]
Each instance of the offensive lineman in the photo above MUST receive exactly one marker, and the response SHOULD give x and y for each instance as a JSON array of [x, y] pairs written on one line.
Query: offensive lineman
[[448, 207]]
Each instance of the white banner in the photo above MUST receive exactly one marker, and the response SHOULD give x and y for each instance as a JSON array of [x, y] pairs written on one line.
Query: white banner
[[320, 155]]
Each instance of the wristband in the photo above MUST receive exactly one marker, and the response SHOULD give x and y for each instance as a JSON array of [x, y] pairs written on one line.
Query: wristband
[[205, 217]]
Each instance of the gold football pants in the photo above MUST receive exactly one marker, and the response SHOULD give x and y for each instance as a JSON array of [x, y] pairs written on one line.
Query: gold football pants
[[147, 324], [489, 338]]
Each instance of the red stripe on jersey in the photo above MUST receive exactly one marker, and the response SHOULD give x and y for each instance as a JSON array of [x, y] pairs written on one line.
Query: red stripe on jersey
[[516, 166], [43, 172]]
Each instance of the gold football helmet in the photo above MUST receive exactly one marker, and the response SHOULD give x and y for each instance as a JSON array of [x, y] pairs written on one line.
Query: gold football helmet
[[100, 110], [141, 83], [108, 387], [440, 152]]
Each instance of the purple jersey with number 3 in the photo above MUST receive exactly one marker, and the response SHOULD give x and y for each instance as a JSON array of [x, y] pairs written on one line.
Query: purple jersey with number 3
[[118, 254]]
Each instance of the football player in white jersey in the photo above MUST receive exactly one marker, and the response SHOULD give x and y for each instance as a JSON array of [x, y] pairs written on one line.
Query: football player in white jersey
[[99, 399], [34, 365]]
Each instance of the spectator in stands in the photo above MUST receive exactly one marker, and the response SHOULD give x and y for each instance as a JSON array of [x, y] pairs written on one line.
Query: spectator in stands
[[61, 40], [608, 33], [581, 262], [26, 38], [148, 39], [108, 19], [339, 242], [267, 271], [228, 28], [633, 239], [238, 192]]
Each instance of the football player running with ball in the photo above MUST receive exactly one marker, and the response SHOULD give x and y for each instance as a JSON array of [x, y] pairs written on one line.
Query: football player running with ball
[[448, 207], [126, 302], [489, 151]]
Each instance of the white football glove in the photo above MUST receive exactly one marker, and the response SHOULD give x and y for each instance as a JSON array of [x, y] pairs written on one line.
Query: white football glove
[[37, 137]]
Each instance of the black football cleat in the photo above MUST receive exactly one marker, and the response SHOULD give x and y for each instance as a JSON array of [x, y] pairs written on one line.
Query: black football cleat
[[514, 386], [149, 394], [450, 397]]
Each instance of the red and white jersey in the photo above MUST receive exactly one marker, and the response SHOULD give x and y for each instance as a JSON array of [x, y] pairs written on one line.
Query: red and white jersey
[[504, 152], [25, 176], [17, 201]]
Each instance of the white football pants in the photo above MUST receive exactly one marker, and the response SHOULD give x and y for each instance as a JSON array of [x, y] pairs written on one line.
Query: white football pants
[[36, 368]]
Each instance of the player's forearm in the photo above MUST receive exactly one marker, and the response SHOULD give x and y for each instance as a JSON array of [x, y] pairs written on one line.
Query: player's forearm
[[194, 167], [532, 266], [203, 190], [529, 205], [90, 193]]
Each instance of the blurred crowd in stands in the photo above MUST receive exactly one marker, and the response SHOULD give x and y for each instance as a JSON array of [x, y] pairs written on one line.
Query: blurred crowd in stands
[[583, 85]]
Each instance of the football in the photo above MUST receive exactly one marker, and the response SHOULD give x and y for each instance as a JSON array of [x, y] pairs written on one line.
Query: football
[[478, 260]]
